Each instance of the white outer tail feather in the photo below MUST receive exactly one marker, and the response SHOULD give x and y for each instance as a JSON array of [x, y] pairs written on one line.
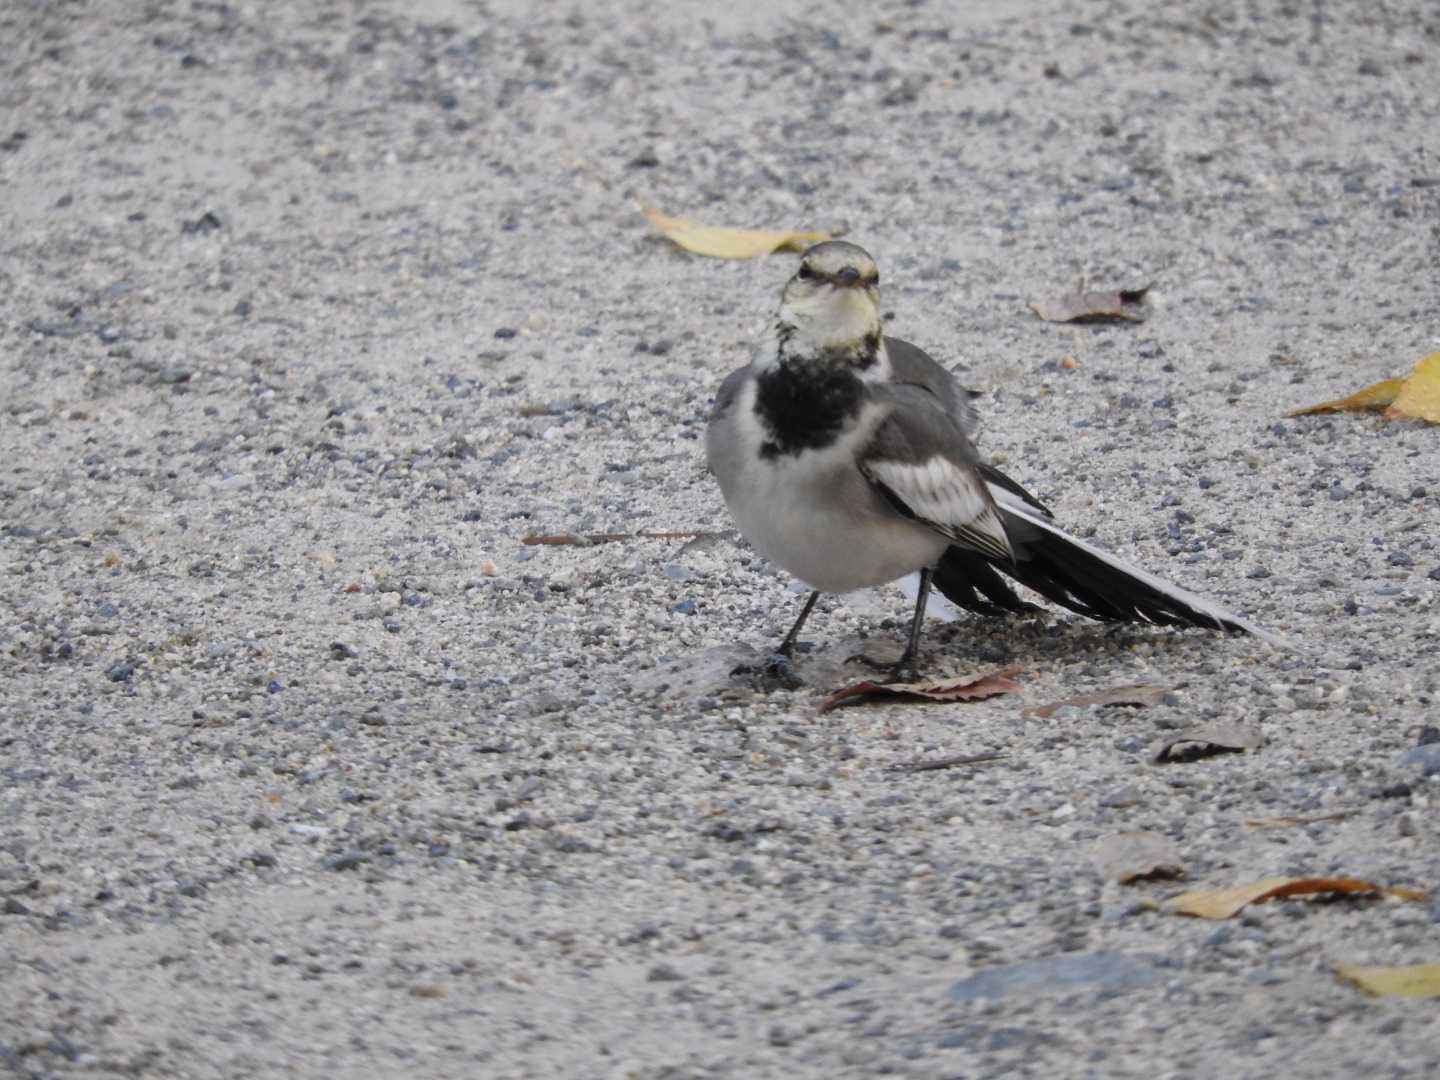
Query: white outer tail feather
[[1017, 506]]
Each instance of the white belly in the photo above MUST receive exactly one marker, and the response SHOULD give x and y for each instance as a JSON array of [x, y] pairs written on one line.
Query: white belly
[[814, 514]]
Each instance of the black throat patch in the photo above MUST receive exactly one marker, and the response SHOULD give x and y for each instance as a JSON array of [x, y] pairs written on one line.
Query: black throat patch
[[804, 404]]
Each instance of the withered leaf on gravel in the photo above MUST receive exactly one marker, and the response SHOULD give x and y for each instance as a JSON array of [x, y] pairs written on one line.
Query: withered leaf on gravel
[[1128, 856], [591, 539], [726, 243], [1290, 822], [1224, 903], [1375, 396], [1137, 696], [1420, 396], [961, 689], [1417, 395], [1126, 305], [1208, 739], [1411, 980]]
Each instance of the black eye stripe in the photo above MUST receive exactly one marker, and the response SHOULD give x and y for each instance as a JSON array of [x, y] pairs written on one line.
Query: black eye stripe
[[806, 273]]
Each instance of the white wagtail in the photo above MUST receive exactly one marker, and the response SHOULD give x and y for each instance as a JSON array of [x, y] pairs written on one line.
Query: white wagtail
[[846, 458]]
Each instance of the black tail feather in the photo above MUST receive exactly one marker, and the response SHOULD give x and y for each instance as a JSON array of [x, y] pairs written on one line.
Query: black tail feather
[[1071, 573]]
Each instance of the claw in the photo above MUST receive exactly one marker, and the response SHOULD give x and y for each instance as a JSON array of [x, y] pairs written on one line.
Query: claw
[[777, 672], [899, 671]]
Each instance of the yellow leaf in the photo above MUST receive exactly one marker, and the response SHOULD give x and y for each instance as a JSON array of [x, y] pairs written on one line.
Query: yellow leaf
[[1415, 980], [1372, 397], [1420, 396], [725, 243], [1223, 903]]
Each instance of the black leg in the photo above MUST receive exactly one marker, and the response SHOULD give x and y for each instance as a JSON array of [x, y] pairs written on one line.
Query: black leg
[[777, 671], [917, 623], [904, 668], [787, 647]]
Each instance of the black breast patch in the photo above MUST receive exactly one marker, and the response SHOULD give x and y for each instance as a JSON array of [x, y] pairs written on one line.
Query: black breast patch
[[805, 406]]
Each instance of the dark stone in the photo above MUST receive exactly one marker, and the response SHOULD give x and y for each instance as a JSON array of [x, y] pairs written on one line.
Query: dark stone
[[1426, 757], [346, 860], [1109, 972], [120, 671], [207, 222]]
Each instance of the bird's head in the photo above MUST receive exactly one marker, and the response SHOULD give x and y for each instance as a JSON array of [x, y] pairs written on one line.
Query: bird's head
[[830, 309]]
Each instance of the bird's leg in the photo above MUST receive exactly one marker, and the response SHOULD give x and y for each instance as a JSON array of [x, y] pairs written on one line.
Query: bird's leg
[[777, 668], [787, 647], [903, 669]]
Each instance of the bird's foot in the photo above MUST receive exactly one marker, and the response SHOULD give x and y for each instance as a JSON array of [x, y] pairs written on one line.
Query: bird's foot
[[775, 672], [897, 671]]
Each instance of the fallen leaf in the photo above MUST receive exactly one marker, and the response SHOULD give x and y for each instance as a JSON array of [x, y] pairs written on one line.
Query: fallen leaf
[[962, 689], [1413, 980], [1420, 396], [1224, 903], [1126, 305], [1416, 395], [724, 243], [1375, 396], [1291, 822], [932, 764], [1127, 856], [590, 539], [1209, 738], [1137, 696]]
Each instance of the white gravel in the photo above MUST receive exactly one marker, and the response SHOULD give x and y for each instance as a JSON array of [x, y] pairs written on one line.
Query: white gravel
[[309, 313]]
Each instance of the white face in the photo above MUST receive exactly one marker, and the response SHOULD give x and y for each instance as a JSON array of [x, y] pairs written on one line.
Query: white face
[[833, 301], [830, 315]]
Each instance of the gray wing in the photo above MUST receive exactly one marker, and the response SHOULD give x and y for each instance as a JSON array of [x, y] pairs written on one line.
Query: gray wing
[[722, 435], [923, 462], [915, 367], [729, 390]]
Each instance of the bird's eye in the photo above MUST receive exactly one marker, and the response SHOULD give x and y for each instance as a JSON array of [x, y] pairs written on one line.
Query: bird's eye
[[805, 273]]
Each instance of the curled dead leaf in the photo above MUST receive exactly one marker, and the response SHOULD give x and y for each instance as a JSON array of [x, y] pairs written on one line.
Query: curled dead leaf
[[1129, 856], [944, 690], [726, 243], [1137, 696], [1224, 903], [1124, 305], [1208, 739], [1411, 980]]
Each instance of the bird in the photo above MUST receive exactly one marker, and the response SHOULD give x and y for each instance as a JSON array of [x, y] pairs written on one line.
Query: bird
[[847, 457]]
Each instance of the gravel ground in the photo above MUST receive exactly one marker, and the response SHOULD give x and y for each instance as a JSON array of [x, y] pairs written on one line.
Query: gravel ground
[[309, 313]]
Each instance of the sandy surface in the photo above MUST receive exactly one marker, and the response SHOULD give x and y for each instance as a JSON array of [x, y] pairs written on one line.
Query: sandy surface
[[309, 313]]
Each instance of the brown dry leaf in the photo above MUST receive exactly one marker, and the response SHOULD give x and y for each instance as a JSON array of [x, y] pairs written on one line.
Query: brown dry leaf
[[1209, 739], [1412, 980], [934, 764], [1375, 396], [1224, 903], [1127, 856], [962, 689], [1420, 396], [725, 243], [1291, 822], [590, 539], [1126, 305], [1138, 696]]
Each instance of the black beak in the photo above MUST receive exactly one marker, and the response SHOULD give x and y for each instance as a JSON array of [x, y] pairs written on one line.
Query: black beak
[[848, 277]]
